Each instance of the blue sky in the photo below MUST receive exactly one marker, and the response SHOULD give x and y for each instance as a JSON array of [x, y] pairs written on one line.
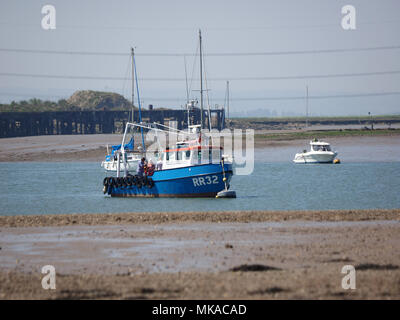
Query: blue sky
[[227, 27]]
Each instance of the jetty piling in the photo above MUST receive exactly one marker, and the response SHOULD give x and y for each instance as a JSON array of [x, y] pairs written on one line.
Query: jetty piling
[[20, 124]]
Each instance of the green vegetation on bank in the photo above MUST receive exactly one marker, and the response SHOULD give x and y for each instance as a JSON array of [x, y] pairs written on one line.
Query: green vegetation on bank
[[86, 100], [319, 134]]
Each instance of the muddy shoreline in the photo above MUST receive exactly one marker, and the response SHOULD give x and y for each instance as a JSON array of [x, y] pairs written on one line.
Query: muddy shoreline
[[296, 255], [184, 217]]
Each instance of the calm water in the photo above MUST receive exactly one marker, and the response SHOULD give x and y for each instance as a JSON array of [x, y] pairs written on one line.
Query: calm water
[[44, 188]]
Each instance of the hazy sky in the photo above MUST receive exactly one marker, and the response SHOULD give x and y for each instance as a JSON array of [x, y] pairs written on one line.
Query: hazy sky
[[228, 27]]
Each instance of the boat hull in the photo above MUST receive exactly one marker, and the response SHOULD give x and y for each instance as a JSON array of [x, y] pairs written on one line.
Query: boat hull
[[315, 157], [188, 182]]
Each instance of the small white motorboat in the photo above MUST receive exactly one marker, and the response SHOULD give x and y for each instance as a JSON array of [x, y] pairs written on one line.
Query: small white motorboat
[[320, 152]]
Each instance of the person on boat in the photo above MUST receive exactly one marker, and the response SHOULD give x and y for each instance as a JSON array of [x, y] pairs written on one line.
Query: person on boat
[[150, 168], [159, 165], [141, 167]]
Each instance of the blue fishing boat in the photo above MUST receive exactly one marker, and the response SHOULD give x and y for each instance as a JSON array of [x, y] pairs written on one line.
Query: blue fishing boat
[[193, 167]]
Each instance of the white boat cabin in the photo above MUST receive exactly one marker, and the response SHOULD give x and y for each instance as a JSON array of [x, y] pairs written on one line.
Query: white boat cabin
[[186, 155], [320, 146]]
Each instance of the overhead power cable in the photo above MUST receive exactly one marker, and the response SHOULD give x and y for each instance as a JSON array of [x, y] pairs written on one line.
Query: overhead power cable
[[350, 95], [102, 78], [224, 28], [215, 54], [332, 96]]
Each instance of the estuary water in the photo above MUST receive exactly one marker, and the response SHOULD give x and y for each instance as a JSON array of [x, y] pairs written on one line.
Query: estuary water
[[76, 187]]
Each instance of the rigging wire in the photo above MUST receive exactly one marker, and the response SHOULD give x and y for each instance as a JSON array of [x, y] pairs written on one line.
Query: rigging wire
[[126, 76], [138, 97], [193, 68], [206, 83], [186, 80]]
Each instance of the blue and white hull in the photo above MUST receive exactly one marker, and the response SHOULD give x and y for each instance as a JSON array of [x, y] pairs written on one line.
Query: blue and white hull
[[204, 180]]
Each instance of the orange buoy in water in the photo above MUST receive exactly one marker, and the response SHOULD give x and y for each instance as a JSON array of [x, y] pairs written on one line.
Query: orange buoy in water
[[336, 161]]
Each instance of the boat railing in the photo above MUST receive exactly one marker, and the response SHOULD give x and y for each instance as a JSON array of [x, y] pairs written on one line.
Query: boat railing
[[153, 127]]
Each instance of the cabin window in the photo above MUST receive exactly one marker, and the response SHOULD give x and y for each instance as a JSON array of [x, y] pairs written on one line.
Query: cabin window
[[216, 155], [188, 154], [167, 156], [170, 156], [321, 148], [179, 155], [199, 155]]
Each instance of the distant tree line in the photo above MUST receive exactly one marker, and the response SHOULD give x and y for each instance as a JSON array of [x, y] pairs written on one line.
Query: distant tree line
[[79, 101]]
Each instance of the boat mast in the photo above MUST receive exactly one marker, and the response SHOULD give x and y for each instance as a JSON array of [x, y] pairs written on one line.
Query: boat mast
[[187, 96], [201, 82], [227, 97], [137, 90], [133, 81], [306, 106]]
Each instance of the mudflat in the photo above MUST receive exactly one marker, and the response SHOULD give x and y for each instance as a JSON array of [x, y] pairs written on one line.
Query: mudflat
[[57, 148], [93, 147], [230, 255]]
